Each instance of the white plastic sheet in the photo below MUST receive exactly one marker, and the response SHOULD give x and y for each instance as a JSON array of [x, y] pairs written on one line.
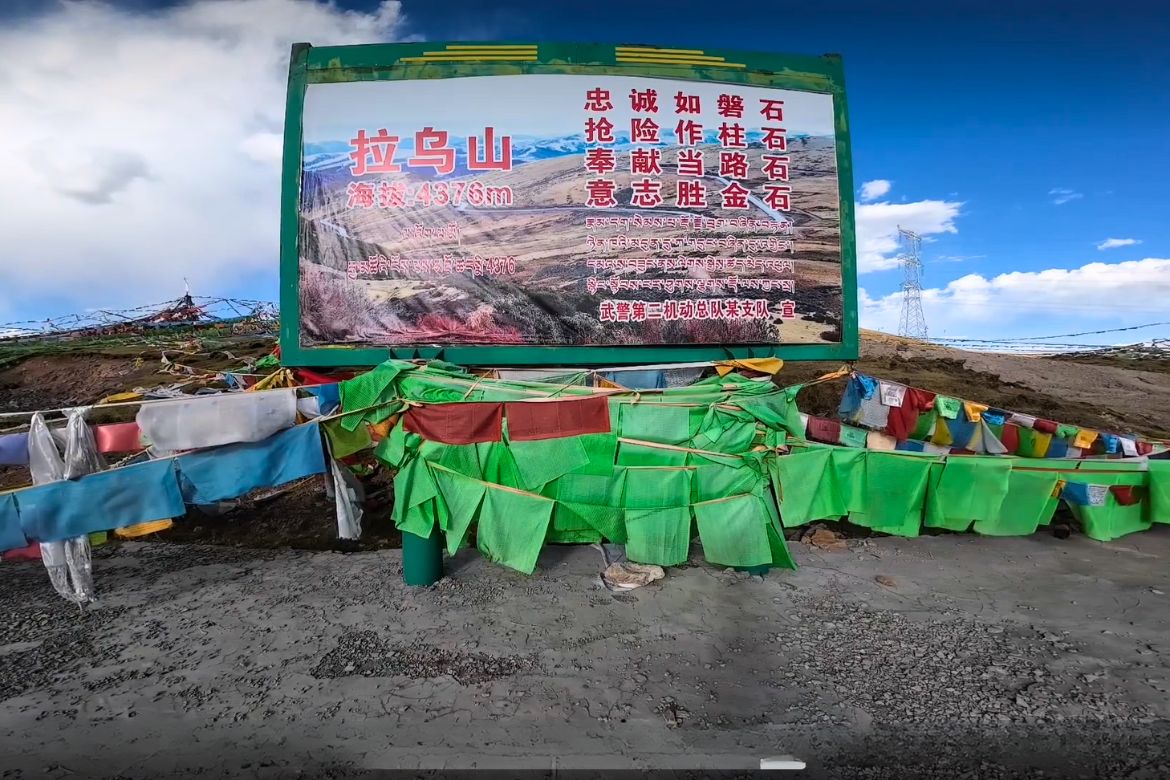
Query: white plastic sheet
[[211, 421], [348, 497], [68, 562]]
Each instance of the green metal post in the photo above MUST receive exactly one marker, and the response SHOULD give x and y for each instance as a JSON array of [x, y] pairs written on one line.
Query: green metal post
[[422, 559]]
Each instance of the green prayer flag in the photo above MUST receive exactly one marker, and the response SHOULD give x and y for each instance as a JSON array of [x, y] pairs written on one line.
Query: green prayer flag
[[724, 431], [462, 458], [848, 469], [463, 497], [734, 531], [948, 408], [1066, 431], [656, 423], [852, 437], [1029, 503], [497, 464], [895, 486], [373, 387], [1111, 521], [601, 449], [658, 536], [512, 527], [775, 410], [608, 521], [807, 488], [414, 490], [570, 527], [343, 441], [633, 454], [543, 460], [924, 427], [781, 557], [714, 481], [967, 489], [1159, 475], [651, 488]]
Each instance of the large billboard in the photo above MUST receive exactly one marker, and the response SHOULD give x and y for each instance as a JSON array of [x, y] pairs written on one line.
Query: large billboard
[[526, 205]]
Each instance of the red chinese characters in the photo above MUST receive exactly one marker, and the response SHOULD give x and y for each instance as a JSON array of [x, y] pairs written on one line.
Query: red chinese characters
[[730, 106], [373, 154], [431, 150], [733, 165], [643, 130], [778, 196], [692, 193], [647, 193], [776, 167], [600, 160], [686, 104], [732, 136], [787, 310], [776, 139], [735, 196], [602, 194], [598, 100], [645, 101], [598, 131], [646, 161], [489, 160], [689, 132], [361, 195], [772, 110], [690, 162]]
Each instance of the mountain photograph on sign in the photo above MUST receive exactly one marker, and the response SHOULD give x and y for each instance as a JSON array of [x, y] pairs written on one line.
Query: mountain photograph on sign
[[510, 210]]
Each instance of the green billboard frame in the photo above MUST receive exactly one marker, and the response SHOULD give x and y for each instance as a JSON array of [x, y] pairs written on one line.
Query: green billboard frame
[[392, 61]]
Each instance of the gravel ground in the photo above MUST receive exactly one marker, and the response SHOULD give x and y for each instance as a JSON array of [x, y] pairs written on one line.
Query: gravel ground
[[947, 656]]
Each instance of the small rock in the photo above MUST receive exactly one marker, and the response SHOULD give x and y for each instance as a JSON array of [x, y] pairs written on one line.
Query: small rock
[[889, 582]]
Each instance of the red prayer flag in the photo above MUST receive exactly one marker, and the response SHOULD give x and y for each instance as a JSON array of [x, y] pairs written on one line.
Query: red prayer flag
[[1126, 495], [531, 420], [457, 423], [120, 437]]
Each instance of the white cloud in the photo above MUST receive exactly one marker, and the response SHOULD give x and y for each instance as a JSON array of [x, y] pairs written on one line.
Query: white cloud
[[1034, 303], [1114, 243], [872, 190], [877, 228], [1061, 195], [139, 148]]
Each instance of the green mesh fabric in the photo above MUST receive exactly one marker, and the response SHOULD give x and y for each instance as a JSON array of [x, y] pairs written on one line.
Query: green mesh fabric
[[895, 491], [540, 462], [656, 423], [373, 387], [650, 487], [1159, 475], [512, 527], [734, 531], [712, 482], [463, 497], [343, 441], [634, 454], [967, 490], [807, 487], [1028, 504], [658, 536], [1111, 521], [601, 449]]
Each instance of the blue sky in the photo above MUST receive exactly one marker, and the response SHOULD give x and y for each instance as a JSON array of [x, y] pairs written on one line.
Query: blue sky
[[1018, 141]]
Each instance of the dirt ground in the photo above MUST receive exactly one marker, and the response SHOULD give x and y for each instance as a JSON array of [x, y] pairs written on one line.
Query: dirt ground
[[945, 656]]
